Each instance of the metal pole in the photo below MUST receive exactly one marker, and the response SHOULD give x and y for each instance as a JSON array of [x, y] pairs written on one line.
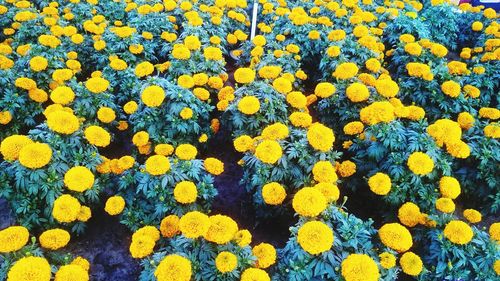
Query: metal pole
[[254, 19]]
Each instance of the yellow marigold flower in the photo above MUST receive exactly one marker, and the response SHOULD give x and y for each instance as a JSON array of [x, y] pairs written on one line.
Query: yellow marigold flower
[[465, 120], [396, 237], [492, 131], [79, 178], [276, 131], [411, 264], [249, 105], [81, 262], [315, 237], [164, 149], [169, 226], [157, 165], [301, 119], [254, 274], [477, 26], [471, 91], [243, 237], [152, 96], [496, 267], [353, 128], [25, 83], [213, 166], [181, 52], [380, 184], [387, 88], [97, 136], [273, 193], [54, 239], [323, 171], [30, 268], [244, 75], [282, 85], [419, 70], [173, 267], [439, 50], [270, 71], [420, 163], [71, 272], [373, 65], [458, 149], [333, 51], [309, 202], [345, 71], [458, 232], [114, 205], [5, 117], [63, 122], [381, 111], [194, 224], [268, 151], [186, 152], [12, 145], [185, 192], [265, 254], [494, 231], [97, 85], [38, 63], [144, 69], [357, 92], [141, 246], [185, 81], [329, 190], [106, 114], [85, 214], [226, 262], [140, 138], [186, 113], [212, 53], [472, 216], [320, 137], [449, 187], [445, 205], [61, 75], [243, 143], [489, 113], [13, 238], [406, 38], [444, 131], [149, 231], [387, 260], [38, 95], [297, 100], [359, 267], [118, 64], [35, 155], [451, 88], [62, 95], [409, 214], [66, 208]]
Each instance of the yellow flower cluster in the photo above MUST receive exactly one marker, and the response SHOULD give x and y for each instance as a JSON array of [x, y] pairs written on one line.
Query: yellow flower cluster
[[13, 238], [359, 267], [173, 268], [315, 237], [79, 178], [54, 239], [309, 202]]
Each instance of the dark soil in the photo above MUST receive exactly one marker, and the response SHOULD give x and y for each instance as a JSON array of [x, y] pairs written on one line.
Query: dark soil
[[6, 216], [233, 199], [105, 245]]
